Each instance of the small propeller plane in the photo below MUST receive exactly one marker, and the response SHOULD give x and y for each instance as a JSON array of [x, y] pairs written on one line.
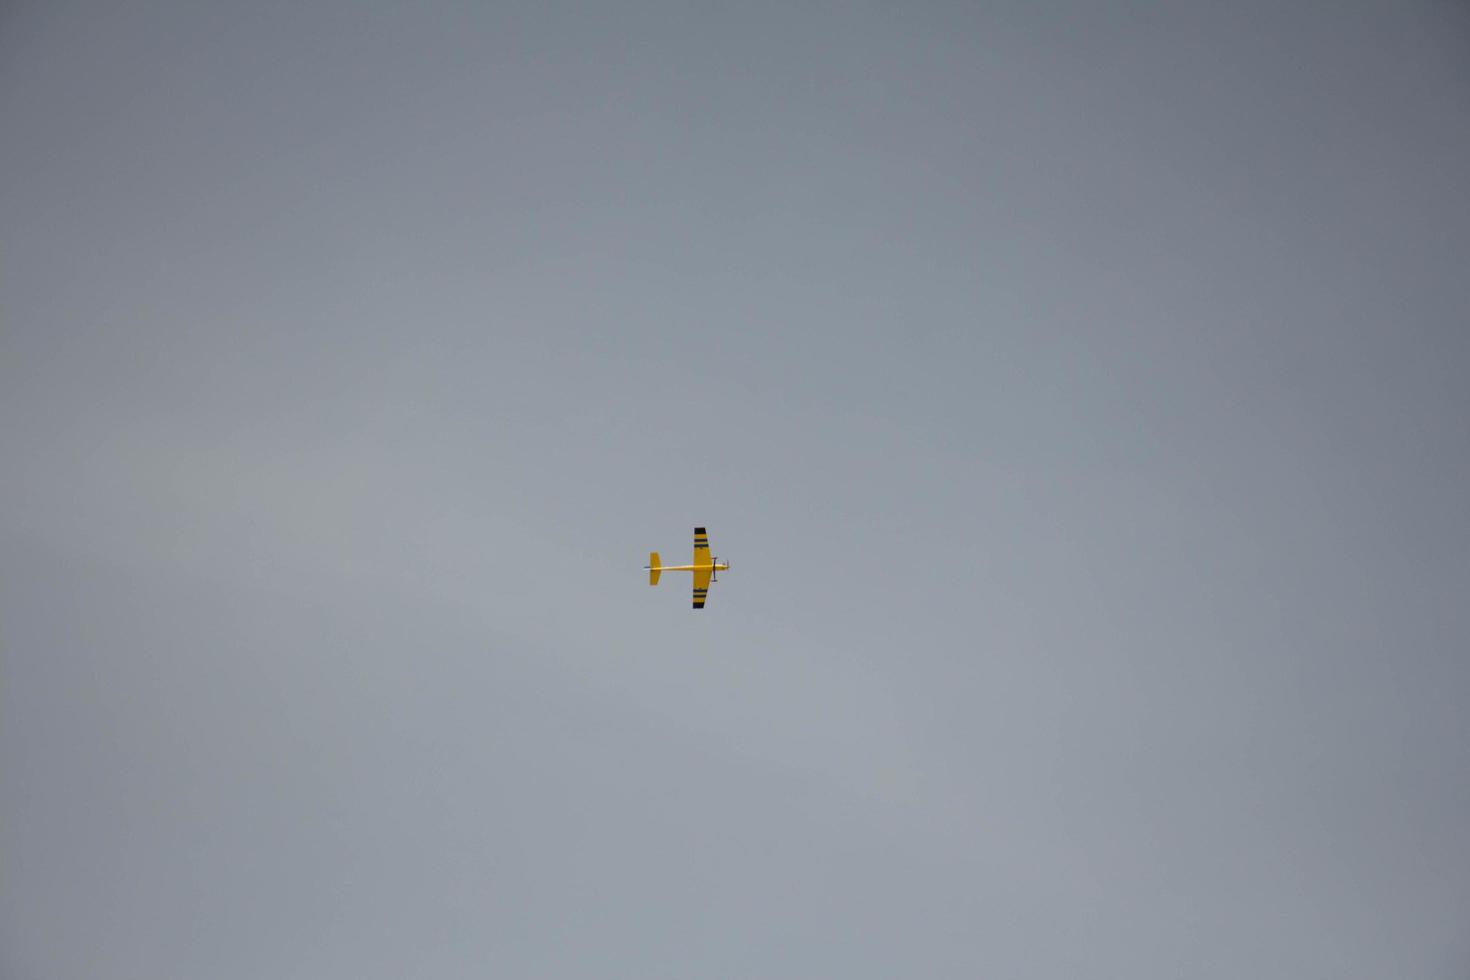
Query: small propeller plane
[[705, 568]]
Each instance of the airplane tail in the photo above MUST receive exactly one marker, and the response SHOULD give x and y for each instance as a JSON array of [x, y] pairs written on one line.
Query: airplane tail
[[654, 567]]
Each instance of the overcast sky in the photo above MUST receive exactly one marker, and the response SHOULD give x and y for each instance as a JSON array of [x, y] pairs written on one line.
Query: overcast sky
[[1078, 391]]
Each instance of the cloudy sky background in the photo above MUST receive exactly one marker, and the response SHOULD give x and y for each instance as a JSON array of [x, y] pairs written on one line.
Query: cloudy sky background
[[1078, 391]]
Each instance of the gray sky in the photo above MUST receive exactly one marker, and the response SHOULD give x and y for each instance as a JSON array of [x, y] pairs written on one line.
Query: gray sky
[[1078, 391]]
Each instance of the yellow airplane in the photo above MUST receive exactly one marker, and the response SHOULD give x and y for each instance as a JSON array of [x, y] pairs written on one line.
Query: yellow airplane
[[704, 568]]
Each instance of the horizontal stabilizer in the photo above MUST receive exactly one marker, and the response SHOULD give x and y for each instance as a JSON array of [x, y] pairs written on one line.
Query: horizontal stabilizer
[[654, 567]]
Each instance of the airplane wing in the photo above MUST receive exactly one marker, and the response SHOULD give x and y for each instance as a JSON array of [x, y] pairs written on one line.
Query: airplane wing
[[701, 557]]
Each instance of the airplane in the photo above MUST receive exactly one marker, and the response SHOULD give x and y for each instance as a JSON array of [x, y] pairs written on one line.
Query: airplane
[[705, 568]]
